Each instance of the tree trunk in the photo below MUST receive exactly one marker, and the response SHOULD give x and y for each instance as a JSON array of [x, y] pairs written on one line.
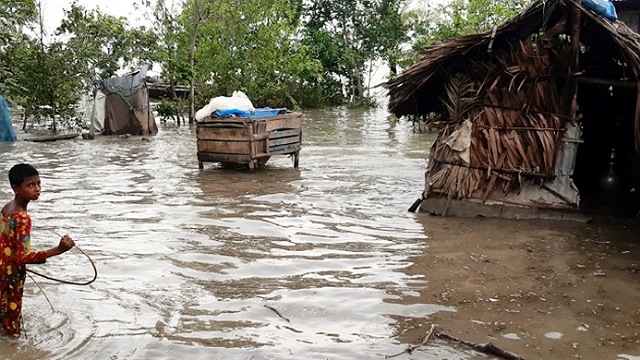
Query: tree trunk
[[27, 111], [192, 61], [192, 96], [174, 100]]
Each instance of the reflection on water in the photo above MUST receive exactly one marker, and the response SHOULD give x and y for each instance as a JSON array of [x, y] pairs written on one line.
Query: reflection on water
[[222, 263]]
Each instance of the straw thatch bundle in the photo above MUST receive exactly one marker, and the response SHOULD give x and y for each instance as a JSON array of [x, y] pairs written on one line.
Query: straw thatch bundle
[[412, 92]]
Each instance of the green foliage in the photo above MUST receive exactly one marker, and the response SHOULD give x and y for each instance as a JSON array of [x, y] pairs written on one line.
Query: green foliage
[[458, 18], [388, 33], [166, 108], [282, 53], [346, 35], [47, 91], [250, 46], [335, 34], [100, 43], [35, 75], [169, 44], [47, 78], [365, 102], [14, 14]]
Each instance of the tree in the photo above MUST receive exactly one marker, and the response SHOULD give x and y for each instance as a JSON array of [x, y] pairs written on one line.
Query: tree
[[345, 35], [250, 46], [47, 78], [194, 15], [458, 18], [14, 15], [388, 32], [169, 49], [46, 85], [102, 44]]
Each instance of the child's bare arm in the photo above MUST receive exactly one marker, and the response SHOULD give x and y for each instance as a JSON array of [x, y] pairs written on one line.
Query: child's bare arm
[[65, 244]]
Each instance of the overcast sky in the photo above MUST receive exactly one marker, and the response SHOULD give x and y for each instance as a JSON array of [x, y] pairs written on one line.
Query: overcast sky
[[53, 9]]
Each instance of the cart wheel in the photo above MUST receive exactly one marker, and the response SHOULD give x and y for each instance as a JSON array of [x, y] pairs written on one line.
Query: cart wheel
[[296, 159]]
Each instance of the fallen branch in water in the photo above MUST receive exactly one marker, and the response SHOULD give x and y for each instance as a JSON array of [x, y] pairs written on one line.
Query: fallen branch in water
[[410, 349], [487, 348], [276, 311]]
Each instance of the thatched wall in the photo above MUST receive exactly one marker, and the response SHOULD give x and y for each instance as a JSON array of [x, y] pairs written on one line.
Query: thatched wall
[[510, 115]]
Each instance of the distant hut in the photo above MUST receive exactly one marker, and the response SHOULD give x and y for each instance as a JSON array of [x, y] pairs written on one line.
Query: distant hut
[[122, 106], [539, 117]]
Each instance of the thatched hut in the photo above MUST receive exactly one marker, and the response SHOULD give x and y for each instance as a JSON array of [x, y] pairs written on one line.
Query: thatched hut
[[538, 117]]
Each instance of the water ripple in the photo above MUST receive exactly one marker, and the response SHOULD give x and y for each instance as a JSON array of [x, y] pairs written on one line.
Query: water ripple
[[193, 263]]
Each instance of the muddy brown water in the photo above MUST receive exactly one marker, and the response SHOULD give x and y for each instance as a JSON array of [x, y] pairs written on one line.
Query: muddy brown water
[[280, 263]]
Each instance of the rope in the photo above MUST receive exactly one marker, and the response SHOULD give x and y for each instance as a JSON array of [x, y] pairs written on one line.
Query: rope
[[95, 271], [43, 293]]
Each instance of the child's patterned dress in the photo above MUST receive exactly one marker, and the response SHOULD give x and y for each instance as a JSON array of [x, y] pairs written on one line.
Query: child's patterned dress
[[15, 245]]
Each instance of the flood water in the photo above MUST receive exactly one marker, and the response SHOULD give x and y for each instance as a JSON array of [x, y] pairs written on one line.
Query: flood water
[[279, 263], [226, 263]]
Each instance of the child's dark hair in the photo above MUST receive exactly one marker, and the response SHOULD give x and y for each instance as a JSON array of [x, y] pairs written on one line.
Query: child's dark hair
[[19, 172]]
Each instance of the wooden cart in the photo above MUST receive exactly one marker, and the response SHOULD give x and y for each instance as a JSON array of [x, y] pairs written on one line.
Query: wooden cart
[[250, 141]]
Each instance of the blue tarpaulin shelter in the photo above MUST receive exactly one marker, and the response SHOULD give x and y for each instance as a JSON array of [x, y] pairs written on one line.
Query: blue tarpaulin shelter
[[7, 134]]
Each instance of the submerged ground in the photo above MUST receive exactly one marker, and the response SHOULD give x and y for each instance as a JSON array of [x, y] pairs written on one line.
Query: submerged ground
[[319, 262], [544, 290]]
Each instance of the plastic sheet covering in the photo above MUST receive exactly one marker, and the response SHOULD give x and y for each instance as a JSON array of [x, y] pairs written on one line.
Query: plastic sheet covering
[[602, 7], [7, 134], [239, 101], [97, 113], [122, 106], [260, 112], [125, 85], [460, 141]]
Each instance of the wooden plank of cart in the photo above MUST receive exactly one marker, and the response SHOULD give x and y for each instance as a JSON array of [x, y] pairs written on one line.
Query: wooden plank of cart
[[249, 140]]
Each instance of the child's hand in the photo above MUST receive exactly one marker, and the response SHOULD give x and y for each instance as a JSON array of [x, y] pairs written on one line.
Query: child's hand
[[66, 243]]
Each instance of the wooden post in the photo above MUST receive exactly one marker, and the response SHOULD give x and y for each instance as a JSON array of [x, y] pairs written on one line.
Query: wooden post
[[562, 185], [575, 54], [637, 119]]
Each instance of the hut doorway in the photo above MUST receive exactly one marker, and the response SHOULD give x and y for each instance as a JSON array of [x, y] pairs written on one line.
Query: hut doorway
[[607, 162]]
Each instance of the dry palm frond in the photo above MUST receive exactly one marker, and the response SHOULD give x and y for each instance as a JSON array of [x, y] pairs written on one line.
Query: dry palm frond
[[507, 142], [460, 97]]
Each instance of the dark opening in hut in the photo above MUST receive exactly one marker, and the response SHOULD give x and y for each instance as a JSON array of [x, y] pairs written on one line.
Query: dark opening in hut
[[538, 117]]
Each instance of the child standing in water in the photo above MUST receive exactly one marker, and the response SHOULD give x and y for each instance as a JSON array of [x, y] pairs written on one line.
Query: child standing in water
[[15, 245]]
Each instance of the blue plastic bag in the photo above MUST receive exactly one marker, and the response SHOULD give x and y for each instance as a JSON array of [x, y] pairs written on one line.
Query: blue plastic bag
[[602, 7], [7, 134]]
